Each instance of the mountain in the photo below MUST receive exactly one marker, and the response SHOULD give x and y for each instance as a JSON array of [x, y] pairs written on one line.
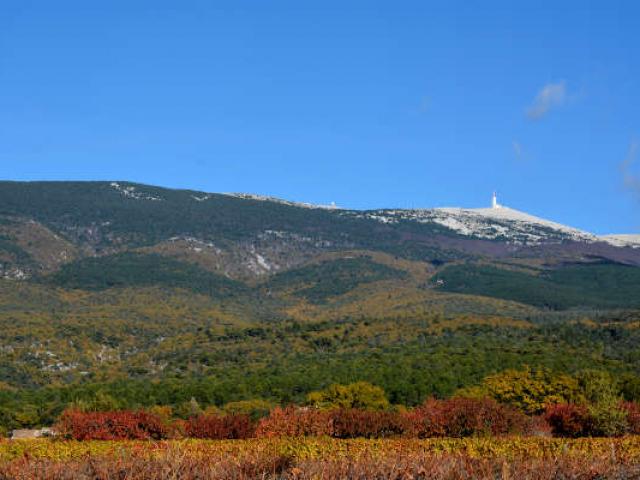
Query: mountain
[[51, 231], [109, 280], [121, 277]]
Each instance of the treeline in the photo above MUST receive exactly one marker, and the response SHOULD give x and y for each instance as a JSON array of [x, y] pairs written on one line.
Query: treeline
[[592, 402], [528, 390]]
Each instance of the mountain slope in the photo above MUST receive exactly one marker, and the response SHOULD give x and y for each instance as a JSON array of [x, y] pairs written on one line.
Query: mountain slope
[[89, 235], [158, 295]]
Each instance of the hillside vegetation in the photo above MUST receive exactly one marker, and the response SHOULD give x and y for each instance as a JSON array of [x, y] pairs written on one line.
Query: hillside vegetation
[[591, 285], [156, 296]]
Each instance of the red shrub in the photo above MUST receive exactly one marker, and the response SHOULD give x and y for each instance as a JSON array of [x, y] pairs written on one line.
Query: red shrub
[[568, 420], [125, 425], [368, 424], [463, 417], [294, 422], [220, 427], [633, 416]]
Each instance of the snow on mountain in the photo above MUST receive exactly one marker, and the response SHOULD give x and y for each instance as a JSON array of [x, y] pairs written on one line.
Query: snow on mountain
[[495, 223], [623, 240], [510, 224], [498, 223], [264, 198], [131, 192]]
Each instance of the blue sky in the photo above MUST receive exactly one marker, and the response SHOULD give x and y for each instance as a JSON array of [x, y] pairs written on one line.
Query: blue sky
[[368, 104]]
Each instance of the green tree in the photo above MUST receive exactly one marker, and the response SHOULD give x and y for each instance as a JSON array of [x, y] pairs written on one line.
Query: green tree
[[602, 394], [596, 386], [608, 418], [99, 402]]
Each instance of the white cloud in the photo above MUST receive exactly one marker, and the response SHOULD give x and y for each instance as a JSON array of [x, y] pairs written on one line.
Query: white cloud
[[517, 149], [630, 179], [551, 96]]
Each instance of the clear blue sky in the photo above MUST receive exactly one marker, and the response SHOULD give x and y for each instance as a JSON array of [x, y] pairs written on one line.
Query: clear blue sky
[[365, 103]]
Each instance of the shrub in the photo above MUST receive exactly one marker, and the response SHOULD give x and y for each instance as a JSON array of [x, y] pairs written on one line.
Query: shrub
[[361, 423], [463, 417], [125, 425], [294, 422], [569, 420], [220, 427]]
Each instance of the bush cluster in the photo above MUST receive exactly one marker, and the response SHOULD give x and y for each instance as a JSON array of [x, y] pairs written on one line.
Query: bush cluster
[[456, 417], [123, 425], [463, 417], [220, 427], [598, 420]]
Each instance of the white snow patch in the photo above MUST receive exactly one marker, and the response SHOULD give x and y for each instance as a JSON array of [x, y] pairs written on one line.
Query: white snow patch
[[488, 223], [131, 192], [264, 198], [201, 199], [623, 240], [262, 262]]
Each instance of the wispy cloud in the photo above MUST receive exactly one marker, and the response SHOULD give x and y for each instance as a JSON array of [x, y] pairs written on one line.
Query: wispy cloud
[[551, 96], [425, 104], [631, 179], [517, 149]]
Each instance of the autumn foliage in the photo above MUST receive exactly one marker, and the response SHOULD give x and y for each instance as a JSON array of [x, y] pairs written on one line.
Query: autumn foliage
[[455, 418], [296, 422], [572, 420], [463, 417], [361, 423], [324, 459], [126, 425], [218, 427], [568, 420], [339, 423]]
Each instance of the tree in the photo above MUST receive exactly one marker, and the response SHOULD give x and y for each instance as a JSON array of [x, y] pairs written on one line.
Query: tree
[[602, 395], [99, 402], [608, 417], [529, 390], [596, 386], [360, 395]]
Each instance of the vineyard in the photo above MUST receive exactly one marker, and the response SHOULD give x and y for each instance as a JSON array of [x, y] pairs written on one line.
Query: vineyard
[[323, 458]]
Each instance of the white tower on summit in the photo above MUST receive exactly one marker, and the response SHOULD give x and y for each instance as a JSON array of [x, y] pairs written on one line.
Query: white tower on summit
[[494, 200]]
